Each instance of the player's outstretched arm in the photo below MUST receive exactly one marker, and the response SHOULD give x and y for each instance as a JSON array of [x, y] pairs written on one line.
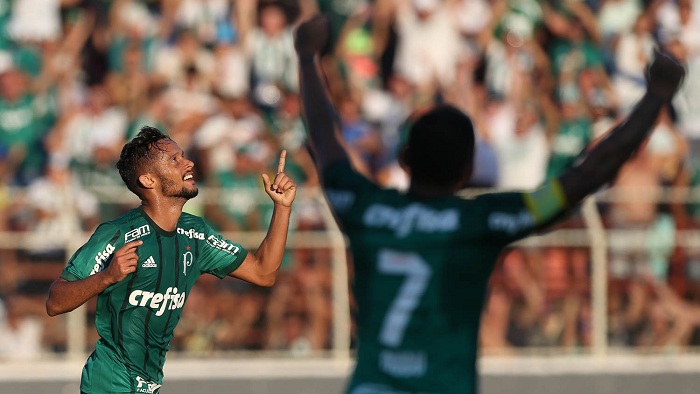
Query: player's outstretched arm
[[599, 166], [65, 296], [261, 267], [310, 38]]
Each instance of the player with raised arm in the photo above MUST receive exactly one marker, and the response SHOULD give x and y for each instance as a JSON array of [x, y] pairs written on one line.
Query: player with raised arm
[[422, 259], [143, 264]]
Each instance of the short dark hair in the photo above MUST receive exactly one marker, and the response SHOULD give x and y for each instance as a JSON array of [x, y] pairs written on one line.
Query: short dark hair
[[137, 154], [440, 146]]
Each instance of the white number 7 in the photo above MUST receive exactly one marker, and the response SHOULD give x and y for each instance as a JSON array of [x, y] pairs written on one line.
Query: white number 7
[[417, 273]]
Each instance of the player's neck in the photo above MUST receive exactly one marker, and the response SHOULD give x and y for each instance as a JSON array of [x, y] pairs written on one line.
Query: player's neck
[[426, 190], [165, 215]]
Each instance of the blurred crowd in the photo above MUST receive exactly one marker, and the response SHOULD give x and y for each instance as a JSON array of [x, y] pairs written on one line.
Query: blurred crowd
[[541, 79]]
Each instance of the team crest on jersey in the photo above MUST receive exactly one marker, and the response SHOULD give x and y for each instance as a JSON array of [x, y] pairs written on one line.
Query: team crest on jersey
[[146, 386], [137, 233], [187, 259]]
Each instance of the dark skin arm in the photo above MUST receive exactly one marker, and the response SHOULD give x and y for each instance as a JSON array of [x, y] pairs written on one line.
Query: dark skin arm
[[65, 296], [601, 164], [323, 124], [261, 267]]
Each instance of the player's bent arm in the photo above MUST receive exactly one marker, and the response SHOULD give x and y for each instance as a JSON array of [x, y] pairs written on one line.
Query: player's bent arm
[[604, 160], [261, 267], [321, 117], [65, 296]]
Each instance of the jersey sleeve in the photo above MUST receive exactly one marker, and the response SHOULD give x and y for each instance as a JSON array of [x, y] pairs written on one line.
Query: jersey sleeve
[[512, 216], [95, 254], [343, 187], [219, 256]]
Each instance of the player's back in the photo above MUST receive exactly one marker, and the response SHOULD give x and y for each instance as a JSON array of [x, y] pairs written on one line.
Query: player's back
[[420, 275]]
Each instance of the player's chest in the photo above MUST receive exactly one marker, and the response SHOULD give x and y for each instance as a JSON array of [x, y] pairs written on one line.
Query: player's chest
[[170, 261]]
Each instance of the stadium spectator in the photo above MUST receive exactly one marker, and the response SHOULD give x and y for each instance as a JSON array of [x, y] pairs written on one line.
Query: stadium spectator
[[23, 124], [99, 124], [270, 47], [633, 51], [21, 329]]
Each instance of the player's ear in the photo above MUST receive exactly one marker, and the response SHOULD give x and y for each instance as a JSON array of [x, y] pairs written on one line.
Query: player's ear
[[403, 158], [147, 181]]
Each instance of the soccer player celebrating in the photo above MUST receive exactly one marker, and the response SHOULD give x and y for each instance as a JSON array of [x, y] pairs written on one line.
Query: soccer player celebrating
[[422, 259], [143, 264]]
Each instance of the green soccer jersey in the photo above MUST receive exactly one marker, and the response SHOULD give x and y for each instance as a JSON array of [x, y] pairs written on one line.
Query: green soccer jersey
[[136, 317], [421, 269]]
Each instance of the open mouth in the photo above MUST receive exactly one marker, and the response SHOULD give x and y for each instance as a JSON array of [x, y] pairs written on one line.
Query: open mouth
[[188, 177]]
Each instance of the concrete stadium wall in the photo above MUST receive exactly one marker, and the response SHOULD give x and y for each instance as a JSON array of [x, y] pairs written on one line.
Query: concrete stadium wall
[[521, 375]]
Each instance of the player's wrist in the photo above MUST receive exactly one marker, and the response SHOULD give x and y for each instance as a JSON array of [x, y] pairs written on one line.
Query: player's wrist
[[283, 207], [106, 279], [306, 59]]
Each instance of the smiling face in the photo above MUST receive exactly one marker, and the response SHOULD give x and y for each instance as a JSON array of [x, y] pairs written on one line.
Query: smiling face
[[174, 172]]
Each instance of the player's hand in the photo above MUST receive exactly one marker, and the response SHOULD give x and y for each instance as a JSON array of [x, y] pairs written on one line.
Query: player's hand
[[282, 189], [124, 262], [311, 36], [665, 75]]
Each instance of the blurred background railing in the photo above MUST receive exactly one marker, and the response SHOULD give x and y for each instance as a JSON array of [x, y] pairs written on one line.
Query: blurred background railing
[[589, 286]]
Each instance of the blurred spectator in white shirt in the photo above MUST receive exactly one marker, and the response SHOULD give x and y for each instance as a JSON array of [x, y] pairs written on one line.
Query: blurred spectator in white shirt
[[35, 20], [175, 64], [235, 125], [270, 46], [634, 50], [98, 124], [20, 332], [206, 18], [679, 32], [524, 152], [429, 45], [59, 204]]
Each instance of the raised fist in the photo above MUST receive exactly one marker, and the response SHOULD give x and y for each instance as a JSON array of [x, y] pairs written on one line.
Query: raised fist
[[665, 75], [312, 36]]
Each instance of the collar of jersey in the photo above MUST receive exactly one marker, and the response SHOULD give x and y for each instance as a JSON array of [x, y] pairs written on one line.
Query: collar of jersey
[[153, 224]]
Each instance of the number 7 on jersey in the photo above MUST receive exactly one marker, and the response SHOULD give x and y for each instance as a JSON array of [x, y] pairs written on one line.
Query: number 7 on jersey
[[417, 274]]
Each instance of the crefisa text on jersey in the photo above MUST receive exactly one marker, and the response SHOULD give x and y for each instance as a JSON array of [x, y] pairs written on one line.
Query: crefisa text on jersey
[[101, 258], [158, 301], [191, 233], [413, 217]]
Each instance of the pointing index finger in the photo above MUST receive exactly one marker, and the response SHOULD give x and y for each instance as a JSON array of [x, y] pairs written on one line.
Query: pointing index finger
[[283, 158], [130, 246]]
